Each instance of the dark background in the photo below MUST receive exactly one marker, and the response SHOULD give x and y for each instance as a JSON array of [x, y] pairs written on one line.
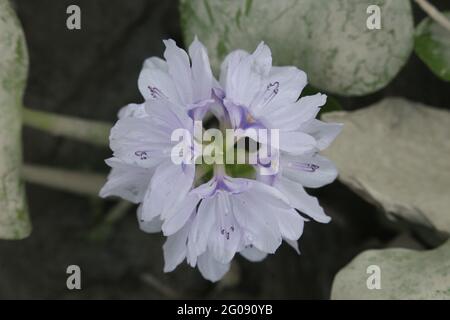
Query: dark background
[[91, 73]]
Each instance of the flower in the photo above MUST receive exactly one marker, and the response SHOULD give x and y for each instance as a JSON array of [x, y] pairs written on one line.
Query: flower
[[207, 222]]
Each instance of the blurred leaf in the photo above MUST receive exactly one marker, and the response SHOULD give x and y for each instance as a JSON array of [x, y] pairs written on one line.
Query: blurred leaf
[[328, 39], [404, 274], [395, 155], [14, 220], [432, 45]]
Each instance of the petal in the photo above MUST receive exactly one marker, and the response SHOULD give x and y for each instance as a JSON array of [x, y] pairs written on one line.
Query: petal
[[296, 142], [225, 236], [310, 171], [175, 249], [133, 110], [180, 214], [252, 254], [202, 77], [293, 244], [203, 224], [229, 64], [180, 71], [126, 181], [168, 116], [256, 214], [245, 74], [300, 200], [152, 226], [210, 268], [154, 81], [169, 185], [290, 223], [293, 115], [323, 132], [282, 88], [139, 142], [309, 106]]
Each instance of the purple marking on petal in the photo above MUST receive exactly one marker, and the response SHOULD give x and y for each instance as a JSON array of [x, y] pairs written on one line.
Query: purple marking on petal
[[156, 93], [307, 167], [271, 91], [143, 155]]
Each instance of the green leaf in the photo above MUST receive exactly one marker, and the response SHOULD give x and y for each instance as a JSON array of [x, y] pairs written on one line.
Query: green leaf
[[403, 274], [395, 155], [432, 45], [14, 220], [329, 40]]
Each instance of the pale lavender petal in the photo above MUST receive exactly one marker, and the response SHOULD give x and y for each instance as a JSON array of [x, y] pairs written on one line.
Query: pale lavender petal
[[168, 116], [152, 226], [246, 74], [211, 269], [179, 214], [180, 70], [139, 142], [169, 185], [323, 132], [293, 244], [175, 249], [133, 110], [229, 64], [300, 200], [296, 142], [126, 181], [290, 223], [283, 87], [203, 224], [255, 213], [310, 171], [154, 81], [225, 236], [252, 254], [201, 71]]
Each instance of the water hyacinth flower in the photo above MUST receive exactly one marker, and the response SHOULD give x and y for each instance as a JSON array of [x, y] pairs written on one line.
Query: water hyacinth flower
[[208, 222]]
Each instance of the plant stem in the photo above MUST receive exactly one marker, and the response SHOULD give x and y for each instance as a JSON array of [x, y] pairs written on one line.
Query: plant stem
[[94, 132], [159, 286], [434, 13], [66, 180]]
